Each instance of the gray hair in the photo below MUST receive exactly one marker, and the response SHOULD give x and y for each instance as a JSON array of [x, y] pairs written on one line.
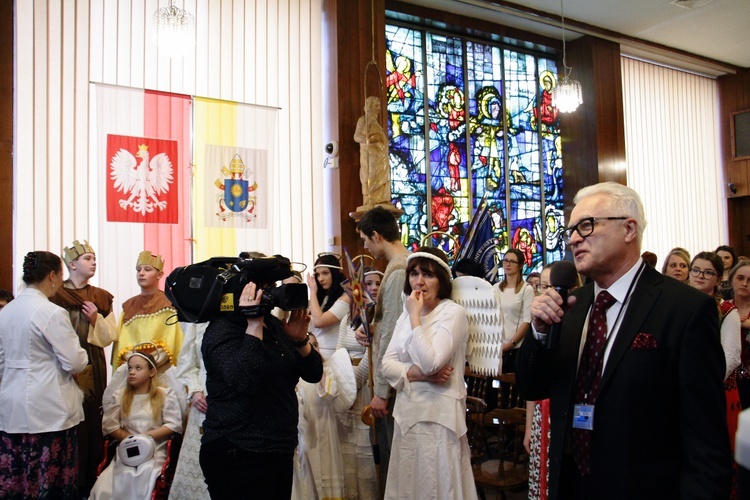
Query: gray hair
[[624, 199]]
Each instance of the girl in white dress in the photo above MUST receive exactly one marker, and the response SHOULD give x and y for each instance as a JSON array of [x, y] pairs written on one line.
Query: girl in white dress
[[141, 407]]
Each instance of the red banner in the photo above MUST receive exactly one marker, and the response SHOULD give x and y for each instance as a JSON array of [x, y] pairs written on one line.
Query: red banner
[[142, 180]]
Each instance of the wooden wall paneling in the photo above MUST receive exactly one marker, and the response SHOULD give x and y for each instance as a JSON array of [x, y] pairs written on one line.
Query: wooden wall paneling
[[6, 149], [734, 95], [593, 137], [354, 29]]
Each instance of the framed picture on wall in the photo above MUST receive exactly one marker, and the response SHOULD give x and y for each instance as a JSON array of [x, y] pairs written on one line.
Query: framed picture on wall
[[739, 125]]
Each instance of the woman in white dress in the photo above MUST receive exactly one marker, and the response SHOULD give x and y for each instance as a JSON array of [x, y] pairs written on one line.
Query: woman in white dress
[[515, 299], [141, 407], [328, 302], [424, 362]]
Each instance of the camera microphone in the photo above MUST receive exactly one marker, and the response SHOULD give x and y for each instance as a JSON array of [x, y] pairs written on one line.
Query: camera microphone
[[563, 276]]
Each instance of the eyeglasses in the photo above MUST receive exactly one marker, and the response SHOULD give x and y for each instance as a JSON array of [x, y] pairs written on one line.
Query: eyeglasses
[[708, 274], [506, 261], [585, 227], [541, 287]]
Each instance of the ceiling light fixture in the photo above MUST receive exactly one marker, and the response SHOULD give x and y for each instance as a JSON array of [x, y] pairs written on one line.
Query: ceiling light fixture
[[173, 29], [567, 96]]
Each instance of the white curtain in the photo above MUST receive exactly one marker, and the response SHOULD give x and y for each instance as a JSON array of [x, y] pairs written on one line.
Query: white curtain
[[673, 160]]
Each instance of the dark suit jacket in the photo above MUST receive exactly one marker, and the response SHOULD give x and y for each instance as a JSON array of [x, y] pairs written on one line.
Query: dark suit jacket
[[660, 418]]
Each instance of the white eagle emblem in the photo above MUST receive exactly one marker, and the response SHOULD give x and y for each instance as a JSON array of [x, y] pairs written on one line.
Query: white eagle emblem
[[144, 180]]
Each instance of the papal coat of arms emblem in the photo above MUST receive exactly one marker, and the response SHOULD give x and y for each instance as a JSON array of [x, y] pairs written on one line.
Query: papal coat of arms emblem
[[239, 196]]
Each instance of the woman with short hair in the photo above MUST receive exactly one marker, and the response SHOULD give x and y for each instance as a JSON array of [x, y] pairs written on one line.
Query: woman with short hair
[[424, 362]]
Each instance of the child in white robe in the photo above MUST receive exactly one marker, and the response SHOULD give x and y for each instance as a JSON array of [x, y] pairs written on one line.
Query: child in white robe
[[319, 424], [141, 407]]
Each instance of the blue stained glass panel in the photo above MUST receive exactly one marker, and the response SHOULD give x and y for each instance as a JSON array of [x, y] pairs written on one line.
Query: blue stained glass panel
[[406, 130], [508, 148]]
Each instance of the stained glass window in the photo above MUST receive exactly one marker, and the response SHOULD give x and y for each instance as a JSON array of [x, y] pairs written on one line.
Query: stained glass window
[[469, 121]]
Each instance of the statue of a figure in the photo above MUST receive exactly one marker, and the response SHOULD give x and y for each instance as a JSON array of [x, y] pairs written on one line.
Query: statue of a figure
[[374, 170]]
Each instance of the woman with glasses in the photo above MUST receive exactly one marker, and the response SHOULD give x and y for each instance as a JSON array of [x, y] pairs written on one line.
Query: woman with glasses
[[729, 257], [328, 302], [705, 271], [515, 300], [677, 264]]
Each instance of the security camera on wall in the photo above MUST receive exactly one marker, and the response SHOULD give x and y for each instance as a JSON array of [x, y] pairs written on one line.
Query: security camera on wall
[[332, 149]]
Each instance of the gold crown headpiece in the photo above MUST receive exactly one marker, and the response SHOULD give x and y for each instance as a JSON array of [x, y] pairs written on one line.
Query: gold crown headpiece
[[146, 258], [75, 250]]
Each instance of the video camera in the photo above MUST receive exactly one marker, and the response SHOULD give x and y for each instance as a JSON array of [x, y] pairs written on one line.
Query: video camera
[[200, 292]]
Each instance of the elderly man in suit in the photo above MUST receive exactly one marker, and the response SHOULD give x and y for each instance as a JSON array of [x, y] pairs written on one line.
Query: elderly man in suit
[[635, 382]]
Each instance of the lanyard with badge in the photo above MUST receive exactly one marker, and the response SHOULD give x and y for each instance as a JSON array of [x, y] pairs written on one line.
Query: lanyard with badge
[[583, 413]]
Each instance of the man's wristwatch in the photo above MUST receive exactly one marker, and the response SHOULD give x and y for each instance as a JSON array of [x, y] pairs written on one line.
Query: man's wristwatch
[[302, 343]]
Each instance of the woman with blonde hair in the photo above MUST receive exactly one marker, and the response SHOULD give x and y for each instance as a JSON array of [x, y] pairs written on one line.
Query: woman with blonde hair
[[677, 264]]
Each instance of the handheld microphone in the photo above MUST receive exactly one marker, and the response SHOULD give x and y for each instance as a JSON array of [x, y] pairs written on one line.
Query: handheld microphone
[[563, 276]]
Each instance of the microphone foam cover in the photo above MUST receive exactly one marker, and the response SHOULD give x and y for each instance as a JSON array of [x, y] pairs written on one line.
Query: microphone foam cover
[[563, 274]]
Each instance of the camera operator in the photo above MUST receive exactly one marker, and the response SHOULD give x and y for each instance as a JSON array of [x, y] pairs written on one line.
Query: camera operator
[[252, 368]]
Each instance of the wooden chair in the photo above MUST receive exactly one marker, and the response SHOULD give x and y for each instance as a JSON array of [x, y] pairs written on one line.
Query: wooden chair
[[476, 385], [504, 427], [475, 411]]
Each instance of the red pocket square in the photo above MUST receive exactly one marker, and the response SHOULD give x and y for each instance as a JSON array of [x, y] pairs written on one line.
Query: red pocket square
[[644, 341]]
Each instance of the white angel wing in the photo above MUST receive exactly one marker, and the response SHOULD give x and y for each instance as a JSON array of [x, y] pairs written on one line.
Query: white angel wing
[[124, 172], [160, 173], [485, 350]]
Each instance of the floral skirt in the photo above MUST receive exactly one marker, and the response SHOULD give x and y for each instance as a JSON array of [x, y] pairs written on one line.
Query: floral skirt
[[41, 465]]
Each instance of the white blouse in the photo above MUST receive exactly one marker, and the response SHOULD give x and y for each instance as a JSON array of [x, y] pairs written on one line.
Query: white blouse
[[39, 353], [441, 339], [516, 308]]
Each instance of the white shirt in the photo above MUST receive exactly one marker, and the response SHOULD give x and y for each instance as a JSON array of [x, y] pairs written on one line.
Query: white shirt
[[441, 338], [39, 352]]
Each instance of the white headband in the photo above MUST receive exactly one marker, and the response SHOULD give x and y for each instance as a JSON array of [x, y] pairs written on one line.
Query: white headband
[[374, 272], [136, 353], [427, 255], [329, 266]]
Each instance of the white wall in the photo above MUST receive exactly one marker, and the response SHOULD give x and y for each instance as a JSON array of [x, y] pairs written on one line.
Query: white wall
[[673, 160], [261, 52]]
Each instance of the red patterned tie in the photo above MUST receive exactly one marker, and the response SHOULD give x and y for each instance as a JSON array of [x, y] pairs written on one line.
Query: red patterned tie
[[590, 371]]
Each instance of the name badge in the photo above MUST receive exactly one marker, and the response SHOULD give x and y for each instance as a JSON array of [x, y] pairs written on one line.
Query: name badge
[[583, 417]]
